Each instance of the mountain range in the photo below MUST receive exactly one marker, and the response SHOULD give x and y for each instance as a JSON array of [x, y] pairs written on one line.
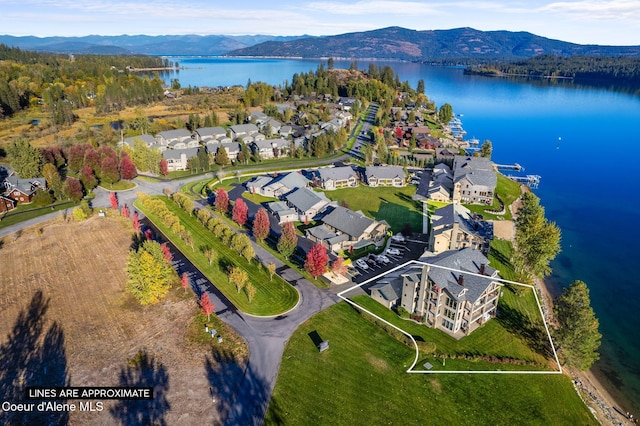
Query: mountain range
[[385, 43], [164, 45]]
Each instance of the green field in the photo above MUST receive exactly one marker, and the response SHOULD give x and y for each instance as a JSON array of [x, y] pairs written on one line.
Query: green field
[[383, 203], [361, 380], [271, 298], [121, 185]]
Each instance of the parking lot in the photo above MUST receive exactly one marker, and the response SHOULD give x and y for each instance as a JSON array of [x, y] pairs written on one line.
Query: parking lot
[[406, 251]]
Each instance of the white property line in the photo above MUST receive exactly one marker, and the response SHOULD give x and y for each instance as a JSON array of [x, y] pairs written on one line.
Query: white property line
[[415, 344]]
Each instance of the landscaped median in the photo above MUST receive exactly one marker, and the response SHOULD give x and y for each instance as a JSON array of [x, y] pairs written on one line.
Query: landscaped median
[[272, 297]]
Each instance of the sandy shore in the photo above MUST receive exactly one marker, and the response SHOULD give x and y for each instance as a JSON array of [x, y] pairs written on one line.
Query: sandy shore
[[595, 396]]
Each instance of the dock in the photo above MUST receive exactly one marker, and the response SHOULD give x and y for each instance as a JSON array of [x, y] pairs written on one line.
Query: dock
[[514, 166], [530, 180]]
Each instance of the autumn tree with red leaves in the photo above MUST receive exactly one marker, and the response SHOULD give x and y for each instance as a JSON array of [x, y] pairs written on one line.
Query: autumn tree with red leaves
[[128, 169], [222, 201], [166, 251], [148, 234], [338, 267], [88, 179], [125, 212], [261, 225], [240, 212], [72, 189], [164, 167], [113, 199], [316, 261], [184, 282], [206, 305], [136, 222]]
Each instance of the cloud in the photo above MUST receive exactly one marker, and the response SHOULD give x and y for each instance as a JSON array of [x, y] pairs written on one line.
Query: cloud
[[592, 10], [380, 7]]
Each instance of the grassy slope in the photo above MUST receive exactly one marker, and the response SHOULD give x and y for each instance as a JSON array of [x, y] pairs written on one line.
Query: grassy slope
[[391, 204], [271, 298], [508, 191], [361, 380]]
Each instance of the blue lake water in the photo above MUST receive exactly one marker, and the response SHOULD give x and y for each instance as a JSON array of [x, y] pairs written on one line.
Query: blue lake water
[[588, 184]]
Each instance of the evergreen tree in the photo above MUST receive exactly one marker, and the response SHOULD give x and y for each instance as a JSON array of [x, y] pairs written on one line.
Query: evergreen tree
[[577, 329], [26, 160], [222, 159]]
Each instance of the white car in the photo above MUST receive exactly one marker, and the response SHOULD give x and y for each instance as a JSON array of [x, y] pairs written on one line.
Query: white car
[[382, 258], [398, 238], [362, 264], [393, 252]]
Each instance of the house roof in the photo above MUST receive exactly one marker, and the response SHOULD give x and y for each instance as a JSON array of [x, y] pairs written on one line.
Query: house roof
[[464, 260], [323, 233], [347, 221], [244, 128], [385, 172], [213, 132], [258, 182], [304, 199], [390, 290], [176, 154], [336, 173], [479, 177], [147, 139], [231, 146], [457, 213], [26, 186], [175, 134]]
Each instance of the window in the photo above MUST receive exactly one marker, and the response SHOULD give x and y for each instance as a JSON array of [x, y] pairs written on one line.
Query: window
[[447, 324], [451, 304], [450, 314]]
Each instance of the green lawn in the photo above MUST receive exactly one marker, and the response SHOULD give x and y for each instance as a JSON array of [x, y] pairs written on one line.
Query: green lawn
[[361, 380], [257, 198], [271, 298], [121, 185], [383, 203], [493, 339], [26, 211]]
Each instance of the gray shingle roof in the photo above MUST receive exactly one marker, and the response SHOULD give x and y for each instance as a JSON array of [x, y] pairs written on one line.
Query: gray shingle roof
[[244, 128], [336, 173], [175, 134], [175, 154], [347, 221], [26, 186], [147, 139], [467, 260], [303, 199], [390, 290], [457, 213], [211, 132]]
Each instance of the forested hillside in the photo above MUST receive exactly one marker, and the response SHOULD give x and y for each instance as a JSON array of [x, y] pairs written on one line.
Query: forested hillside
[[580, 68], [63, 83]]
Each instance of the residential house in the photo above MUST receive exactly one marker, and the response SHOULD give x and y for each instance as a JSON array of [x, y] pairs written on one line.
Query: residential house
[[332, 125], [256, 184], [385, 176], [271, 126], [258, 118], [284, 183], [455, 291], [387, 291], [346, 103], [180, 144], [356, 230], [474, 180], [243, 131], [307, 203], [270, 148], [22, 191], [177, 159], [6, 204], [445, 154], [206, 134], [337, 177], [282, 212], [286, 131], [441, 185], [454, 227], [232, 148], [148, 140], [169, 136]]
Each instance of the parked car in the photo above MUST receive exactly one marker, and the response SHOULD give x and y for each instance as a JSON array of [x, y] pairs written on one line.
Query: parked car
[[362, 264], [393, 252], [382, 259], [399, 238]]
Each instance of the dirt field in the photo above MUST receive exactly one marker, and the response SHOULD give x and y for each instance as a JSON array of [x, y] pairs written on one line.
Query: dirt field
[[96, 330]]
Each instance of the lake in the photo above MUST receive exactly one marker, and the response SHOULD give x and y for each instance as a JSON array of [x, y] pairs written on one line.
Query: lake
[[581, 140]]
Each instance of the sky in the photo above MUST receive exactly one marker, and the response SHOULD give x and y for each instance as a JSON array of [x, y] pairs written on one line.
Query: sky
[[610, 22]]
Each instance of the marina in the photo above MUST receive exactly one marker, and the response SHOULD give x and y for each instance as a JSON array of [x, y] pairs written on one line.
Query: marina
[[532, 181]]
